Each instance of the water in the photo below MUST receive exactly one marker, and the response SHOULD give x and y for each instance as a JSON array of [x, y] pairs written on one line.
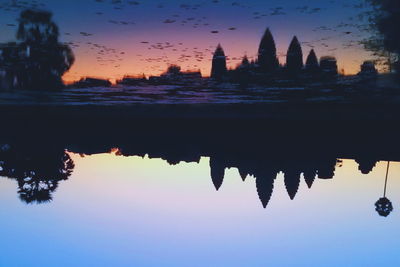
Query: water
[[136, 211], [165, 94]]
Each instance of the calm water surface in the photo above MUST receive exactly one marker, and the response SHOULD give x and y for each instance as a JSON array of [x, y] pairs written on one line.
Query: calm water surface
[[132, 211]]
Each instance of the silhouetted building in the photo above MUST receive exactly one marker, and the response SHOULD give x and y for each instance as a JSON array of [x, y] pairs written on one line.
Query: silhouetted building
[[219, 69], [309, 176], [245, 72], [267, 58], [368, 70], [243, 174], [294, 58], [326, 168], [217, 172], [265, 186], [174, 76], [329, 67], [133, 80], [292, 182], [312, 62], [92, 82]]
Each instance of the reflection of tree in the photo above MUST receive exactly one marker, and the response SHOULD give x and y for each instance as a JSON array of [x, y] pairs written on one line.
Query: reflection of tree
[[37, 172], [384, 206], [366, 165]]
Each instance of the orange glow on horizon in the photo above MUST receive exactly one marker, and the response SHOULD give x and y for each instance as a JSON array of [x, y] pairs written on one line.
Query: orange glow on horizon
[[88, 67], [137, 58]]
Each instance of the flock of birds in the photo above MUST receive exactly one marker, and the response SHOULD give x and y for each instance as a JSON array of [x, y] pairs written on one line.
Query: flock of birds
[[188, 15]]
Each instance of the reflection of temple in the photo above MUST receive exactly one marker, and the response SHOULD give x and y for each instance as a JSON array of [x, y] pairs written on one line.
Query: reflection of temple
[[265, 172], [38, 170], [257, 152]]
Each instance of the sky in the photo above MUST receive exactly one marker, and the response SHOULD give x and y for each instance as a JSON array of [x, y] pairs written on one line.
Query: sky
[[113, 38], [132, 211]]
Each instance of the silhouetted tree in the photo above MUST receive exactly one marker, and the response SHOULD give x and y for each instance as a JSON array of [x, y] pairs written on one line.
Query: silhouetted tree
[[267, 59], [37, 27], [366, 165], [294, 58], [174, 69], [42, 59], [245, 62], [11, 63], [385, 41], [219, 69]]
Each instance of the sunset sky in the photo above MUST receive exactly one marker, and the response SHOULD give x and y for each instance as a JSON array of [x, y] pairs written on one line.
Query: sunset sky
[[112, 38]]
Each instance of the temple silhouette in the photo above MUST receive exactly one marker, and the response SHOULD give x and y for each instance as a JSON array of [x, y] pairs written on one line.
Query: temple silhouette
[[37, 61], [266, 69]]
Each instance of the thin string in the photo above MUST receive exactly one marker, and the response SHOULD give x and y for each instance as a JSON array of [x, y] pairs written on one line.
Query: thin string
[[386, 179]]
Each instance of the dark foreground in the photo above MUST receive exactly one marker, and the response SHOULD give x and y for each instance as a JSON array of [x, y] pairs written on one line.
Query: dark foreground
[[232, 132]]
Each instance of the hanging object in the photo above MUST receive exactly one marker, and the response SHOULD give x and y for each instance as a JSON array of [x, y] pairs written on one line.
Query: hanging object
[[384, 206]]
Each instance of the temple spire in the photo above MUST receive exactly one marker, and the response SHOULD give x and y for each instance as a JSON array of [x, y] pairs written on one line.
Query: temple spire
[[294, 58], [219, 69], [267, 59]]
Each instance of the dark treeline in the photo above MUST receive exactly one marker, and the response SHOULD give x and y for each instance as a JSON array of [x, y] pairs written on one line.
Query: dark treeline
[[257, 152], [384, 41], [37, 60]]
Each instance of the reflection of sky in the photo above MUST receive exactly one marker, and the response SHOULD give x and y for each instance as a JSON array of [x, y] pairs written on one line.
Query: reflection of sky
[[140, 212], [133, 57]]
